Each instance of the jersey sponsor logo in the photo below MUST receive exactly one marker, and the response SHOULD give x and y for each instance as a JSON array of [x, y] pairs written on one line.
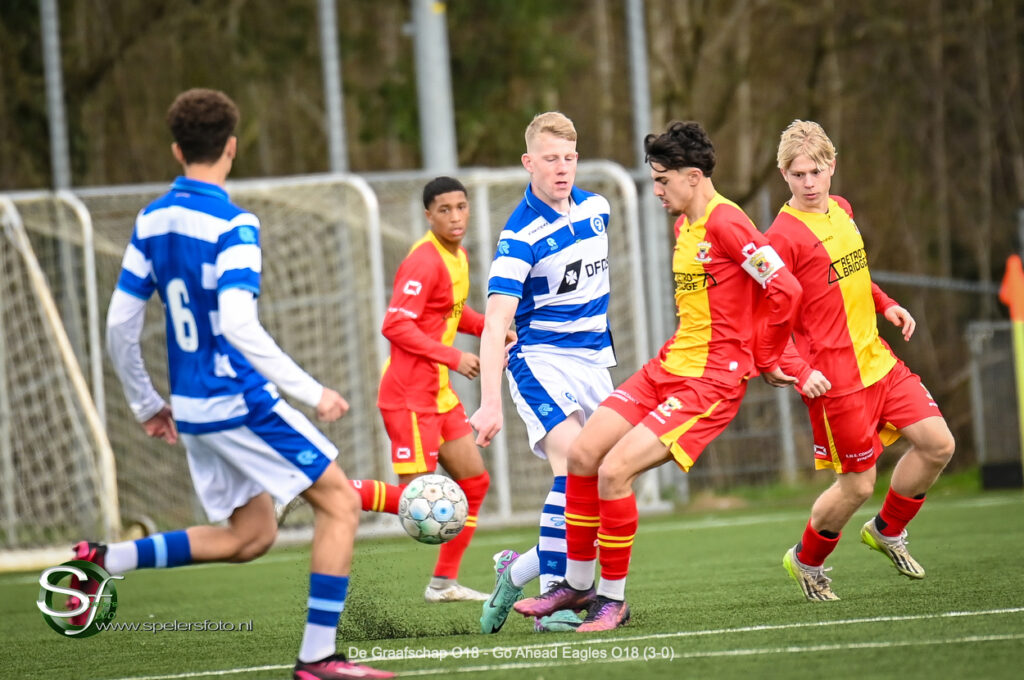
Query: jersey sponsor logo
[[703, 252], [847, 265], [456, 310], [571, 277], [403, 453], [412, 287], [571, 397], [688, 282], [597, 224], [593, 268]]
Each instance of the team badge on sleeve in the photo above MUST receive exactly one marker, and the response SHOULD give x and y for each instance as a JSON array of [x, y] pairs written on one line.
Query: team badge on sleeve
[[412, 287], [761, 263]]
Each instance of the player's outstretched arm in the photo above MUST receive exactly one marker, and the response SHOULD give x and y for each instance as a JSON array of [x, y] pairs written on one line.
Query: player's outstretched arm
[[241, 327], [125, 318], [487, 420]]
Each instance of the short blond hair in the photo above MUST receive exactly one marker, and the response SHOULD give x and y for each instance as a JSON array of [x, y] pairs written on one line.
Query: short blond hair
[[552, 122], [808, 138]]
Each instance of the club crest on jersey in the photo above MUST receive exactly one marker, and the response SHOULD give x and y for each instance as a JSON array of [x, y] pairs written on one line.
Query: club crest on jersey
[[703, 252], [761, 265], [552, 243], [412, 287], [597, 224], [666, 407], [504, 248], [247, 234]]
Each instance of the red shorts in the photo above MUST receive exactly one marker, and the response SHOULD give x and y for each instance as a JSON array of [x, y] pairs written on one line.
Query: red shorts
[[851, 430], [684, 413], [416, 437]]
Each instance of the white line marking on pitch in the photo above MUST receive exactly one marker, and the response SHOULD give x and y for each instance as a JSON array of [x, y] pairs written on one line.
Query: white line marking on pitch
[[663, 636]]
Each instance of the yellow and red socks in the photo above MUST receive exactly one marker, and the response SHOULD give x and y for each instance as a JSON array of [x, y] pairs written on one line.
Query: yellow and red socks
[[551, 543], [815, 546], [326, 602], [582, 519], [377, 496], [896, 513], [619, 521], [450, 557]]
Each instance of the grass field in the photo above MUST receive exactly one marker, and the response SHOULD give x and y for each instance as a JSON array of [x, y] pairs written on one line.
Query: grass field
[[709, 595]]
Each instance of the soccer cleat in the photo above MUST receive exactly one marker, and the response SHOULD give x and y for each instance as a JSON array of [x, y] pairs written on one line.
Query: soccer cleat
[[893, 547], [811, 579], [562, 596], [90, 552], [499, 604], [563, 621], [456, 592], [335, 667], [605, 614]]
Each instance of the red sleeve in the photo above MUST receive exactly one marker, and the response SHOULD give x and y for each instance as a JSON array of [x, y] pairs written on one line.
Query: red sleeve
[[414, 283], [882, 301], [773, 319], [792, 363], [471, 322]]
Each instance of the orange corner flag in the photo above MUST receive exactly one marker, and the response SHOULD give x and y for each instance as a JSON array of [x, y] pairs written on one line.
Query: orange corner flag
[[1011, 293]]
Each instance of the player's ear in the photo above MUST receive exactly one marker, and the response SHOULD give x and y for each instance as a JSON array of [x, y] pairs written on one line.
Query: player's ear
[[231, 148], [527, 162], [176, 152]]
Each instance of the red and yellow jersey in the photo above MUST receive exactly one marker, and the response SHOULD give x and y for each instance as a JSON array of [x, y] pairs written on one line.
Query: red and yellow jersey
[[428, 307], [836, 328], [721, 264]]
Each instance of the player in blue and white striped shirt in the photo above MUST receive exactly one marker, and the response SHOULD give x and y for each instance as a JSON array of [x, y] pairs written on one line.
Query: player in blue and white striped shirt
[[550, 274], [246, 446]]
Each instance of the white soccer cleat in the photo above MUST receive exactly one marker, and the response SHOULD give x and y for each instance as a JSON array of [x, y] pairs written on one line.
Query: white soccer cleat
[[893, 547], [812, 580], [456, 592]]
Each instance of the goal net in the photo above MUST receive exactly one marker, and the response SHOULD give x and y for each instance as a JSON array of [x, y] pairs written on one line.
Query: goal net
[[56, 464]]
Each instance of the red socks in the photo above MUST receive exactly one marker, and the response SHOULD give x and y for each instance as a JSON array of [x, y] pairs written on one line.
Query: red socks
[[814, 547], [581, 517], [896, 512], [377, 496], [450, 557], [619, 520]]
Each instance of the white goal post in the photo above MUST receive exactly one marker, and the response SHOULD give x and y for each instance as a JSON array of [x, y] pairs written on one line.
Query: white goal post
[[57, 474]]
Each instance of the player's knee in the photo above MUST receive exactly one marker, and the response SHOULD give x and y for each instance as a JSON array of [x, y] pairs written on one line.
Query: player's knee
[[583, 460], [257, 546], [859, 490], [944, 448], [614, 476]]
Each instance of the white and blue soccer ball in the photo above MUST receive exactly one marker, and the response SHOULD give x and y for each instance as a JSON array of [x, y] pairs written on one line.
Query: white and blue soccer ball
[[433, 509]]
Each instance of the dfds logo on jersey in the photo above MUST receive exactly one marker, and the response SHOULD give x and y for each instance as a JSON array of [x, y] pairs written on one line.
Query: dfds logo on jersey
[[101, 606]]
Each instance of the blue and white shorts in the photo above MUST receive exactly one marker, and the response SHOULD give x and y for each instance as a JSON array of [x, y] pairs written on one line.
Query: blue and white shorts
[[549, 388], [277, 450]]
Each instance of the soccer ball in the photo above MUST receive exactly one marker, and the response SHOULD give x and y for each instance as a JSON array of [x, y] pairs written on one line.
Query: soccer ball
[[433, 509]]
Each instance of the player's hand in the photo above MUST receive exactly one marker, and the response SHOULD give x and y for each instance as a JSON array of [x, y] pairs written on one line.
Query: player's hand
[[469, 365], [901, 318], [776, 378], [332, 406], [816, 385], [161, 426], [487, 422]]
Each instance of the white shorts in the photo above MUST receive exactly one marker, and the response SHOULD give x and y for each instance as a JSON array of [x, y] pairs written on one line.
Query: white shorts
[[548, 388], [277, 450]]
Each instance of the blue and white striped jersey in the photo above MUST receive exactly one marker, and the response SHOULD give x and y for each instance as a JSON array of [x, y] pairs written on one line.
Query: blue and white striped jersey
[[188, 245], [557, 265]]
